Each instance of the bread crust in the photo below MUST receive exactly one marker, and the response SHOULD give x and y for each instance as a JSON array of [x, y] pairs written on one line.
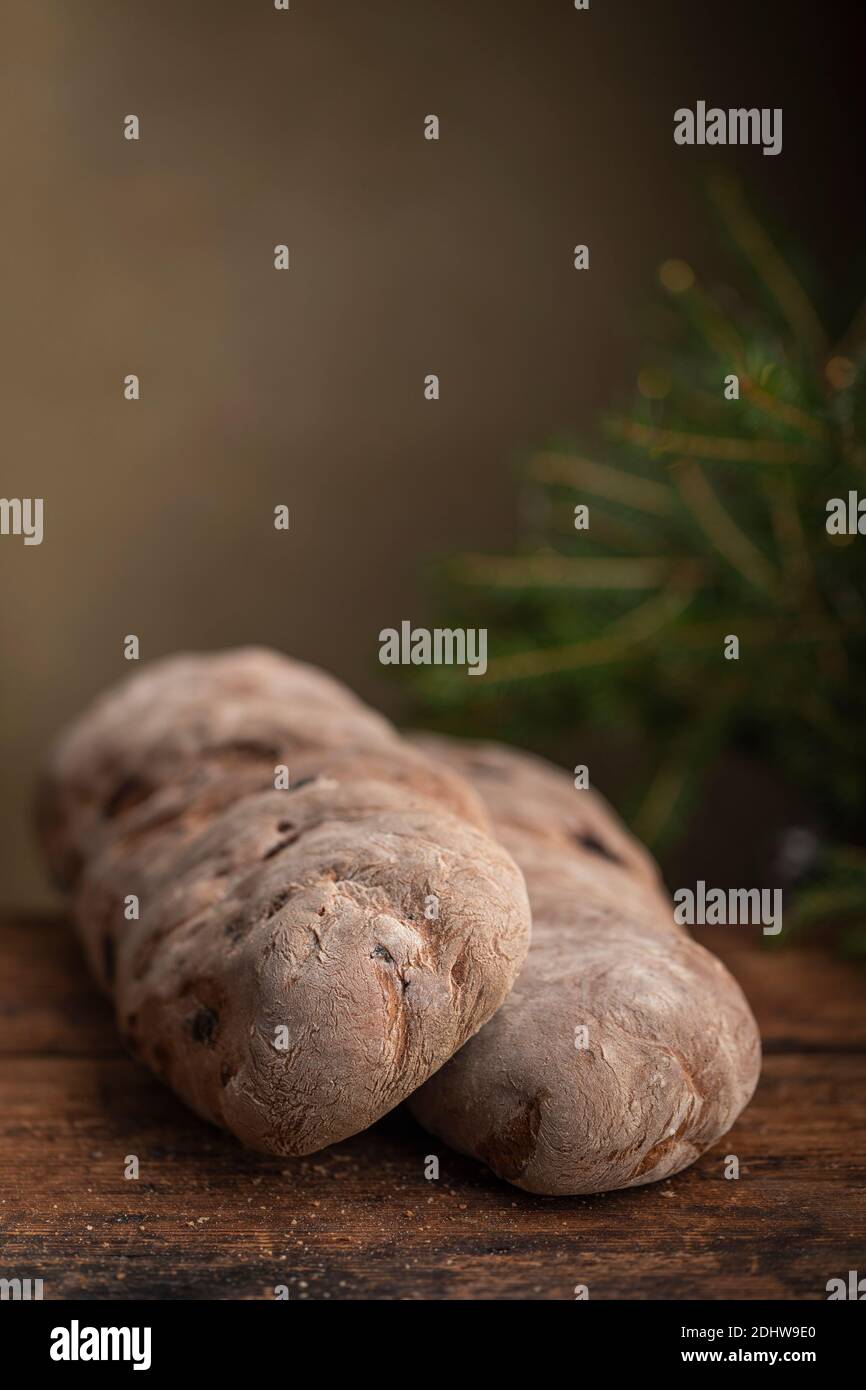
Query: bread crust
[[672, 1051], [285, 974]]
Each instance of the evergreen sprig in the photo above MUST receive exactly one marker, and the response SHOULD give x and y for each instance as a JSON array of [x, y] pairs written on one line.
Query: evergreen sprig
[[707, 518]]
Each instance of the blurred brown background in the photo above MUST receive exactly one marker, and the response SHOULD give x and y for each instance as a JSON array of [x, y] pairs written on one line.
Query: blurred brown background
[[408, 257]]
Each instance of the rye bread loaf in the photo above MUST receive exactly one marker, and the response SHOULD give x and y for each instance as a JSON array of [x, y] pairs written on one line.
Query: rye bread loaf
[[302, 958], [625, 1049]]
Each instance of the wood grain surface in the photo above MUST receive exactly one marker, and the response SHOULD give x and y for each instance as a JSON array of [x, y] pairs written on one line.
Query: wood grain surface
[[207, 1220]]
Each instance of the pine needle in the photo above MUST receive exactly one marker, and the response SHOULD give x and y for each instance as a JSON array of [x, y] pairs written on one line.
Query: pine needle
[[659, 805], [788, 533], [709, 446], [600, 479], [618, 642], [769, 265], [786, 413], [721, 529], [562, 571]]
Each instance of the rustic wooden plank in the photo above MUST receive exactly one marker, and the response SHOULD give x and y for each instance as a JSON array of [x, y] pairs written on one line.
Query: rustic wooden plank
[[206, 1219], [803, 996], [48, 1002], [361, 1221]]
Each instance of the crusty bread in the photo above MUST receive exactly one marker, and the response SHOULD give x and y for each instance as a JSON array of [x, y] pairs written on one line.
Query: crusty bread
[[303, 958], [670, 1054]]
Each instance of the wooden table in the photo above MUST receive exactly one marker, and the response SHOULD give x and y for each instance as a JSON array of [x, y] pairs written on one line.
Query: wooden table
[[207, 1220]]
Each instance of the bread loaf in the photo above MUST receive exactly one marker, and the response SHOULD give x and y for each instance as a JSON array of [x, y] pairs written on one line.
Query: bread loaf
[[625, 1049], [302, 958]]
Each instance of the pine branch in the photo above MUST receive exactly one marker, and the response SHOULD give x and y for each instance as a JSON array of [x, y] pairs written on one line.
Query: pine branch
[[706, 519], [620, 641], [708, 447]]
